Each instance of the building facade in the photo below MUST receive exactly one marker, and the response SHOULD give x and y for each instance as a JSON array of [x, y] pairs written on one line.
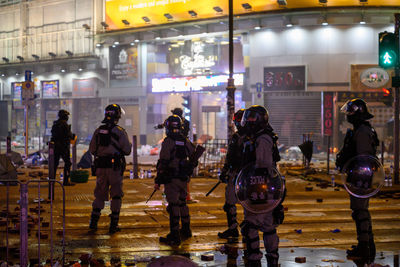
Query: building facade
[[301, 60]]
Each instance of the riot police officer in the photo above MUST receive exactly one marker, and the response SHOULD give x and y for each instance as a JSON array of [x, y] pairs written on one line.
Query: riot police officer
[[61, 135], [173, 170], [186, 123], [109, 145], [228, 173], [361, 140], [260, 147]]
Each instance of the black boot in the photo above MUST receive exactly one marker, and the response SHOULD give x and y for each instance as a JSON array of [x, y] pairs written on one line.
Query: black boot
[[362, 250], [185, 231], [232, 231], [94, 219], [372, 249], [172, 239], [252, 263], [114, 218], [272, 260], [229, 233]]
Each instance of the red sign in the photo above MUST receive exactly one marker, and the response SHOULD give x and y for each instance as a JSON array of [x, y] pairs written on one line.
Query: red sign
[[327, 114]]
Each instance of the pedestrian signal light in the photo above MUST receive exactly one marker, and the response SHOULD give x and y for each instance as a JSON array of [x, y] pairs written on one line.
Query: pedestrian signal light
[[387, 97], [388, 50]]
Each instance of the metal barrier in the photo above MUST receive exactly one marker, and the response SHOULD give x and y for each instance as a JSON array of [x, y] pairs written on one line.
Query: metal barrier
[[24, 218], [214, 157]]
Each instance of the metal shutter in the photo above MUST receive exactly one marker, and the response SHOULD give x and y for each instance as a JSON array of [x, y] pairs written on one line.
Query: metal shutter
[[293, 114]]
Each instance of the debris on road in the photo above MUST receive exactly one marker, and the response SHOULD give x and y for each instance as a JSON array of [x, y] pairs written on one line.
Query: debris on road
[[300, 259]]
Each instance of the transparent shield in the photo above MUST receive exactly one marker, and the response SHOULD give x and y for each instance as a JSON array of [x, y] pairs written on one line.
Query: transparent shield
[[363, 176], [259, 193]]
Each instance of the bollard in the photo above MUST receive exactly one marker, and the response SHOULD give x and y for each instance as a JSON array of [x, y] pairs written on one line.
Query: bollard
[[52, 171], [74, 157], [23, 254], [135, 157]]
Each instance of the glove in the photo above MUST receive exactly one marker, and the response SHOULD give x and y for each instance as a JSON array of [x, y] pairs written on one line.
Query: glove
[[279, 214], [223, 178]]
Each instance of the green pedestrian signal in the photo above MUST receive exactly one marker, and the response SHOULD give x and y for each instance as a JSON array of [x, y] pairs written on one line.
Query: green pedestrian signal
[[388, 50]]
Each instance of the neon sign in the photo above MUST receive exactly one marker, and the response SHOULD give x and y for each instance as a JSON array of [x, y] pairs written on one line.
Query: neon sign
[[192, 83], [198, 61]]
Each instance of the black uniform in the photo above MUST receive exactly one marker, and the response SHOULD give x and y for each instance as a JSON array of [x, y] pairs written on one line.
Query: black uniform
[[174, 170], [228, 174], [261, 148], [362, 140], [61, 135]]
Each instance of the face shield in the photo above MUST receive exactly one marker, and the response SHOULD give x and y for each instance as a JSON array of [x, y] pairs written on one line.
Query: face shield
[[250, 116], [349, 108]]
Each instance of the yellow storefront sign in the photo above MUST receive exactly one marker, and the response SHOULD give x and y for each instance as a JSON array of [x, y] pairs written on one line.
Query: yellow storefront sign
[[139, 13]]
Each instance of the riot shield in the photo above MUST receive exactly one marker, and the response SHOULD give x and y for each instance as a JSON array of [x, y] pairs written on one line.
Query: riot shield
[[259, 192], [363, 176]]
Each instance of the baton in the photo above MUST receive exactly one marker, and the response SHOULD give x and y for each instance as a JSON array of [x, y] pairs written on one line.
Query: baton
[[151, 195], [212, 189]]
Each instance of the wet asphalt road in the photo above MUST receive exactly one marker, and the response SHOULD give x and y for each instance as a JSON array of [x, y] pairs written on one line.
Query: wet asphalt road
[[326, 227]]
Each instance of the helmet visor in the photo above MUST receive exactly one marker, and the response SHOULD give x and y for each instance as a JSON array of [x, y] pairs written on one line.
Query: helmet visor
[[250, 116], [349, 108]]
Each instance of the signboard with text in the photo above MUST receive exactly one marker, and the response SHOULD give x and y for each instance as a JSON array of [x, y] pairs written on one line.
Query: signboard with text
[[376, 96], [289, 78], [123, 63], [140, 13], [327, 113], [50, 89], [16, 88], [84, 87], [194, 83], [197, 57]]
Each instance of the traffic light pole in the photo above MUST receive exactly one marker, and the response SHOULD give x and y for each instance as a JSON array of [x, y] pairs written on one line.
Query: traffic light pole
[[396, 107], [231, 83]]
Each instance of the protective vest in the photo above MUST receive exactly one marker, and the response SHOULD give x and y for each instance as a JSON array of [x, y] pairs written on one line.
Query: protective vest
[[249, 147], [349, 149]]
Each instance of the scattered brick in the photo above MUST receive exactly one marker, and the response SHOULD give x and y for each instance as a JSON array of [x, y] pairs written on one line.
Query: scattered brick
[[207, 257], [300, 259]]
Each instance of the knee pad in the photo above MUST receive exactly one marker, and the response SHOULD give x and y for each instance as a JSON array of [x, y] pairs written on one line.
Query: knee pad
[[245, 227], [269, 233]]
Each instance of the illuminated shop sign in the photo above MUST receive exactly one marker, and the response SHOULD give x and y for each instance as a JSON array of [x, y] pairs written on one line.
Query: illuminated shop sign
[[192, 83], [197, 60], [327, 114], [203, 57], [50, 89], [122, 14], [290, 78]]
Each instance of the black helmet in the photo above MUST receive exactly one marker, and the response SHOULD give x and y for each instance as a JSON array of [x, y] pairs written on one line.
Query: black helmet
[[237, 118], [177, 111], [255, 118], [63, 114], [112, 113], [356, 110], [173, 125]]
